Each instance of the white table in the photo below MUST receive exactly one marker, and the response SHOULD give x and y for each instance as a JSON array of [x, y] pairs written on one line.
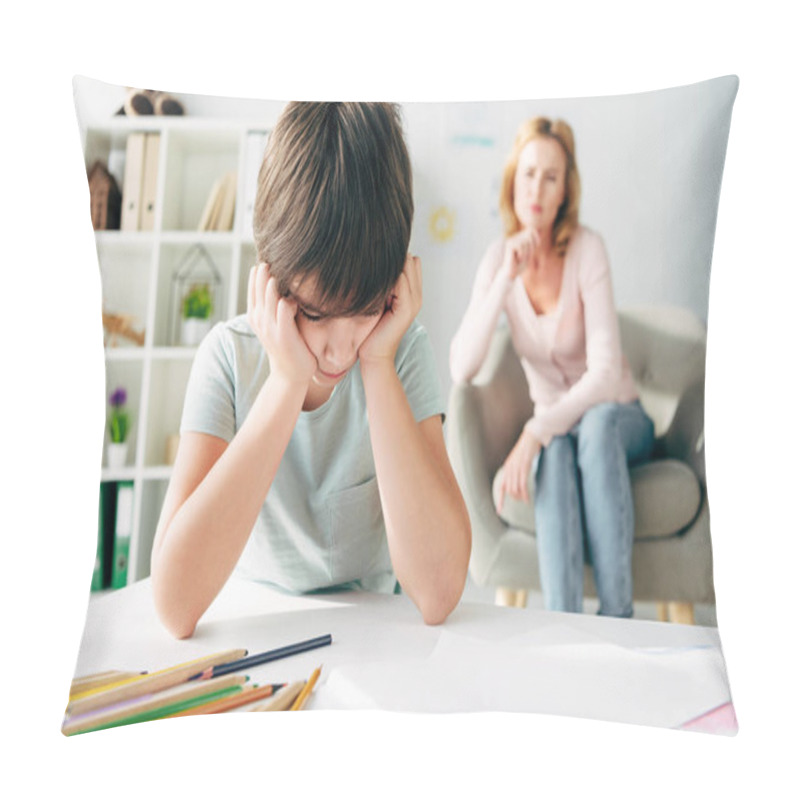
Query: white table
[[484, 658]]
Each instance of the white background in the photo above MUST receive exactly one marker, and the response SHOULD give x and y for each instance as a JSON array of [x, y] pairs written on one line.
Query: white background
[[53, 406]]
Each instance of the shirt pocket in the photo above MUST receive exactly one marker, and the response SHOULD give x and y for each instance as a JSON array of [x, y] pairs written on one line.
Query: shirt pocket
[[357, 533]]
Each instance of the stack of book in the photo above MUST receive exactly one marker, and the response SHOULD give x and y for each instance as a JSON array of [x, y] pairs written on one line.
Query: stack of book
[[220, 206], [139, 181], [209, 685]]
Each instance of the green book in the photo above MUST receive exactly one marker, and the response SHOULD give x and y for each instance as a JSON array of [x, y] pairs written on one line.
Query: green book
[[122, 534], [101, 576], [97, 572]]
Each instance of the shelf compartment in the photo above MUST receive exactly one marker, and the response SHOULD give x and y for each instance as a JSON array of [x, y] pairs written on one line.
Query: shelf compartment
[[167, 305], [125, 278], [196, 159], [128, 375], [168, 379]]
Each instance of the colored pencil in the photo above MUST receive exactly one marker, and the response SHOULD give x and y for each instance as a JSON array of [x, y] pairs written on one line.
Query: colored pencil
[[205, 661], [163, 711], [153, 706], [263, 658], [87, 682], [283, 699], [302, 698], [146, 684], [249, 694]]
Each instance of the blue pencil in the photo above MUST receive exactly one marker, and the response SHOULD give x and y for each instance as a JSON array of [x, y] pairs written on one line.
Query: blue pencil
[[263, 658]]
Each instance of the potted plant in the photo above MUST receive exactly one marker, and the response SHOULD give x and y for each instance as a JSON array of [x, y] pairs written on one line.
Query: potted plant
[[118, 428], [196, 310]]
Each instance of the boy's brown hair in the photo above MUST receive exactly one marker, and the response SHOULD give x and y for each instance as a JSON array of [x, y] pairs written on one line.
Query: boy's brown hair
[[334, 203]]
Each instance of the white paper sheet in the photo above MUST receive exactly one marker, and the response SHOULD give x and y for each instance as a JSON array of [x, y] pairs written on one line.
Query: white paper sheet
[[591, 679]]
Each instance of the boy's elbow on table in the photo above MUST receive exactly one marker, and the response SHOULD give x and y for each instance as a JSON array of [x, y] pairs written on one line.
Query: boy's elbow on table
[[436, 608], [178, 621], [180, 628], [436, 614]]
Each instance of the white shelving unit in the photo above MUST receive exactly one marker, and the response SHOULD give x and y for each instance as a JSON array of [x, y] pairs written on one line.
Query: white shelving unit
[[136, 274]]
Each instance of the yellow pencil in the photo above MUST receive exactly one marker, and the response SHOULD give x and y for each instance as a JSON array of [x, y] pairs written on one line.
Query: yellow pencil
[[86, 682], [175, 694], [302, 698], [146, 684], [283, 699]]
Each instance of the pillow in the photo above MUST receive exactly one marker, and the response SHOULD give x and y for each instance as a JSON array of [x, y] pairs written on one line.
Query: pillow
[[172, 185]]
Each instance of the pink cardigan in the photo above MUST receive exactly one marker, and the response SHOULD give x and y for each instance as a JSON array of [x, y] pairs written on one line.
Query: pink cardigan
[[572, 357]]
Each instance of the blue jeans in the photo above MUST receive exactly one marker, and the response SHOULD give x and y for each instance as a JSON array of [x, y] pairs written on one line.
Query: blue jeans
[[583, 506]]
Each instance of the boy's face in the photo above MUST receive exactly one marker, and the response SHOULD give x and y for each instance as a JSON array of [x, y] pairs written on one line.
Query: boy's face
[[333, 340]]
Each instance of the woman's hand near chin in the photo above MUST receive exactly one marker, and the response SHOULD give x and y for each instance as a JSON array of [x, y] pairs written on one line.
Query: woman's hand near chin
[[519, 251]]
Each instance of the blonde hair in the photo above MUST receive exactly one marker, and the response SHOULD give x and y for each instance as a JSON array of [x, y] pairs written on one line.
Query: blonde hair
[[567, 218], [334, 202]]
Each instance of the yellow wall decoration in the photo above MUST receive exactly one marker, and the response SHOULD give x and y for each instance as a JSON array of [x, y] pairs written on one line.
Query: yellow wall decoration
[[442, 224]]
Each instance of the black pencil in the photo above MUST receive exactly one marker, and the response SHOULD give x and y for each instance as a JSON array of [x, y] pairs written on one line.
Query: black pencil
[[263, 658]]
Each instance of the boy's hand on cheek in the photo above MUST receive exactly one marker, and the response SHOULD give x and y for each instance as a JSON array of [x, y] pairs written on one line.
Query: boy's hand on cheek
[[272, 319], [402, 308]]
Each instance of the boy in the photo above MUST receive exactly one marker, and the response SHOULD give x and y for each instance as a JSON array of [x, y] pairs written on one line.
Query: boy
[[311, 451]]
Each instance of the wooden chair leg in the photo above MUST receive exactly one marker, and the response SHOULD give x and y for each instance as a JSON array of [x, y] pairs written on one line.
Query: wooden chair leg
[[682, 613], [521, 599], [505, 597], [663, 612]]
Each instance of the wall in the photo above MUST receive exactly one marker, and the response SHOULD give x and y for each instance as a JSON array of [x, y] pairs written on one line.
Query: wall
[[650, 172]]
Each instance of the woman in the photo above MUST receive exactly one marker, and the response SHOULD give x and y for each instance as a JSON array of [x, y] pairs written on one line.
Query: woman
[[551, 277]]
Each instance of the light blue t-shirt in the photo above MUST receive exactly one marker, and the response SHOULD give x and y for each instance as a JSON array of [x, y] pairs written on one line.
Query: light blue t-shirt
[[321, 525]]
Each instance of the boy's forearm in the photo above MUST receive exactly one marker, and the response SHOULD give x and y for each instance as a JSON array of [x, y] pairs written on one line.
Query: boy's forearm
[[426, 519], [208, 532]]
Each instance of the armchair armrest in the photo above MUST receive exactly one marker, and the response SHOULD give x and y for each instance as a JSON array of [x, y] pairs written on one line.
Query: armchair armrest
[[685, 440], [466, 444], [484, 418], [501, 399]]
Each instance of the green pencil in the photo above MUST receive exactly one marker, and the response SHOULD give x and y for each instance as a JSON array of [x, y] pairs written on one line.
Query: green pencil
[[168, 698], [164, 711]]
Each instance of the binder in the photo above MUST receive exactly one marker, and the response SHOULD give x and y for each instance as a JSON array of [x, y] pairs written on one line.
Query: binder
[[132, 182], [105, 535], [255, 146], [97, 572], [149, 180], [122, 534]]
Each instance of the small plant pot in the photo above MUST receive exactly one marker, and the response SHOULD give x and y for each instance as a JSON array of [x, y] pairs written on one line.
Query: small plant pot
[[193, 330], [117, 454]]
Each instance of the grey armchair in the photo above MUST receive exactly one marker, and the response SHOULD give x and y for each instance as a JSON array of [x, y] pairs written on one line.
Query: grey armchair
[[665, 347]]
